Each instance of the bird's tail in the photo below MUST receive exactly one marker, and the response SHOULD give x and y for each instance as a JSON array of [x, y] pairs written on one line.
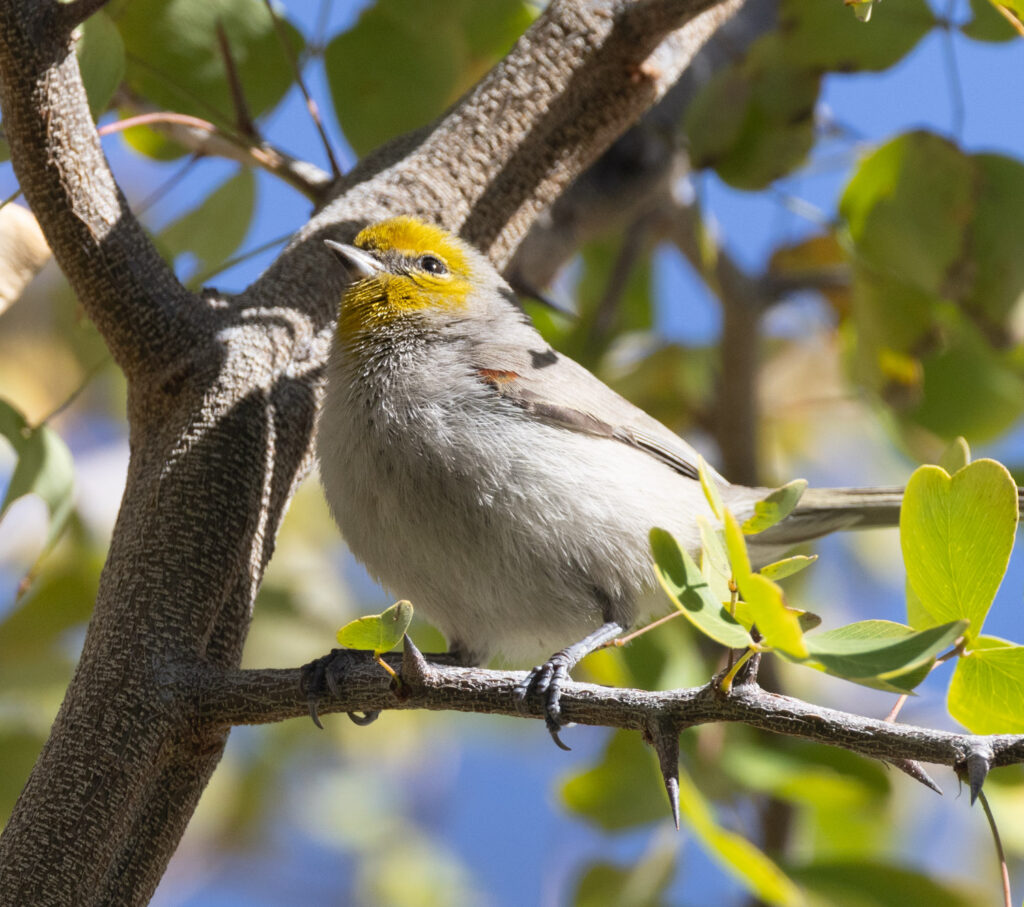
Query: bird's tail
[[825, 510]]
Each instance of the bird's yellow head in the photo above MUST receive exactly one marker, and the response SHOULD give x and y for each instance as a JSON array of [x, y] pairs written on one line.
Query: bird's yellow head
[[401, 267]]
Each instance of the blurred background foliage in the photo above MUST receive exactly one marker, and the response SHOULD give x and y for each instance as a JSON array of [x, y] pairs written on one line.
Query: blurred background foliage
[[862, 185]]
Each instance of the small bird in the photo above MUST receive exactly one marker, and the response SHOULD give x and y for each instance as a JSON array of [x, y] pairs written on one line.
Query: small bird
[[499, 485]]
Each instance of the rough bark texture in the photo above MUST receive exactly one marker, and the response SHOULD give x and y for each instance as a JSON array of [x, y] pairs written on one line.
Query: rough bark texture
[[223, 395]]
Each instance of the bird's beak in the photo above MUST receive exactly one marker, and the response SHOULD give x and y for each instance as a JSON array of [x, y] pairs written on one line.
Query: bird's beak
[[358, 263]]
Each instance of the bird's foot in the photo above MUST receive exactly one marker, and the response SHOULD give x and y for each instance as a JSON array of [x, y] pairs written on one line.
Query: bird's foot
[[546, 681], [320, 679]]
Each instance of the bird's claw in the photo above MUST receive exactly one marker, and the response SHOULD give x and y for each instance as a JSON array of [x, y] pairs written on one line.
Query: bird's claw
[[320, 678], [546, 681]]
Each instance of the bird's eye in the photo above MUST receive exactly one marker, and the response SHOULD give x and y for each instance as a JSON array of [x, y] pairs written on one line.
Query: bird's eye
[[433, 265]]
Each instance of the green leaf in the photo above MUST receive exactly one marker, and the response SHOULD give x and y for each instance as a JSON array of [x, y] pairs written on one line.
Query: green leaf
[[622, 791], [907, 208], [44, 468], [710, 488], [969, 387], [753, 122], [988, 24], [100, 53], [216, 227], [805, 773], [957, 534], [639, 884], [405, 61], [394, 71], [985, 693], [174, 59], [787, 566], [734, 853], [870, 883], [879, 653], [956, 456], [377, 633], [775, 507], [824, 35], [779, 626], [689, 590]]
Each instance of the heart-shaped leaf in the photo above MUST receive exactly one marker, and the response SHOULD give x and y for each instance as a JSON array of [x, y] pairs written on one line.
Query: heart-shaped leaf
[[957, 533], [377, 633], [985, 693]]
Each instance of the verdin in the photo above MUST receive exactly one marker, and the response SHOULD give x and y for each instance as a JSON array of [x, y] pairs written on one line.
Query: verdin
[[497, 484]]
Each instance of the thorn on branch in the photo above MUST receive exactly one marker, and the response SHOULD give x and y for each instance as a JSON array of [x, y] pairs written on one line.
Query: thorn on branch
[[664, 738], [415, 670], [978, 763], [917, 772]]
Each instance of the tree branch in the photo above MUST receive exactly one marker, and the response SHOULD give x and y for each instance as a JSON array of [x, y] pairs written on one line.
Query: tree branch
[[232, 697], [573, 83], [127, 289]]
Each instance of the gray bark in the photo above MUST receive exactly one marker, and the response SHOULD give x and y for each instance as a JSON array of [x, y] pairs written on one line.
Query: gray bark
[[223, 394]]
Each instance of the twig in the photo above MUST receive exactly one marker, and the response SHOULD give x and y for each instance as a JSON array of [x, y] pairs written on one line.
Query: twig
[[243, 119], [1000, 853], [314, 111], [204, 137]]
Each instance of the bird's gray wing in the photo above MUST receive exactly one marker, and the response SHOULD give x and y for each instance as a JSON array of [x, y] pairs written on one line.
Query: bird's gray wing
[[562, 392]]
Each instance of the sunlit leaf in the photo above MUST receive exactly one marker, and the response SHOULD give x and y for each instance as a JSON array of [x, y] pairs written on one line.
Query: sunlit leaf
[[775, 507], [956, 534], [879, 653], [787, 566], [985, 692], [710, 489], [377, 633], [681, 578], [779, 627]]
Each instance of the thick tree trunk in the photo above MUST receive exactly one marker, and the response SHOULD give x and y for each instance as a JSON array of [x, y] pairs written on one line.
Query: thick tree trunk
[[223, 395]]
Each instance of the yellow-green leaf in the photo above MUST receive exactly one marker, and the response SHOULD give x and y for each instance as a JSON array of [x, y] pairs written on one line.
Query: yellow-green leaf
[[775, 507], [880, 653], [985, 693], [957, 534], [779, 627], [738, 856], [956, 456], [710, 489], [787, 566], [377, 633], [682, 579]]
